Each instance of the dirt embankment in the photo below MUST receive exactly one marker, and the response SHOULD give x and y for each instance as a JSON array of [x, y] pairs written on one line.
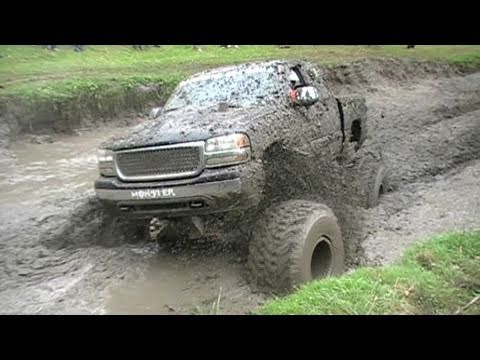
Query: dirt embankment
[[370, 75], [60, 253], [47, 117]]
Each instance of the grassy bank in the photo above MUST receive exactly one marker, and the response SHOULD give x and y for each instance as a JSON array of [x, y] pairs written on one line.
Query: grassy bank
[[34, 73], [441, 276]]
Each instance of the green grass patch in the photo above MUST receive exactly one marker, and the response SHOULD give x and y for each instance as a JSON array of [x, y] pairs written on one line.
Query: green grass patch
[[32, 72], [439, 276]]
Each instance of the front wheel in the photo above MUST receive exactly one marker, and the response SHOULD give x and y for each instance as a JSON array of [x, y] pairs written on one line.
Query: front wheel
[[293, 243]]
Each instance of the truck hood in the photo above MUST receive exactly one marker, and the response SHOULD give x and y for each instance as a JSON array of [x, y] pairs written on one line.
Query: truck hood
[[186, 126]]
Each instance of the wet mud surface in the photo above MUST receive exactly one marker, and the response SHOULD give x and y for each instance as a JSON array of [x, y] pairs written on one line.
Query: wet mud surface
[[60, 254]]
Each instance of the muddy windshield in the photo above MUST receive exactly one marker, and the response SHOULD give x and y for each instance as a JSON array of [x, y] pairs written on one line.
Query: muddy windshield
[[239, 87]]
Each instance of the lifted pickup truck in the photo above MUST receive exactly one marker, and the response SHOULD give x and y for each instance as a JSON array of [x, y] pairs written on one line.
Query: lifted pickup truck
[[262, 147]]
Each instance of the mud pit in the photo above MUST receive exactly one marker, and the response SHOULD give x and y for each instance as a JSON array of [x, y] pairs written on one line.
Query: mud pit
[[58, 255]]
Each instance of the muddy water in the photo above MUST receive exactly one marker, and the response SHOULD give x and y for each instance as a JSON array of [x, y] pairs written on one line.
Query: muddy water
[[173, 285], [35, 170]]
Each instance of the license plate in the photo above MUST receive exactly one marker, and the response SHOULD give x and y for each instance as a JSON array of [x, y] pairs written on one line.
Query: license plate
[[151, 194]]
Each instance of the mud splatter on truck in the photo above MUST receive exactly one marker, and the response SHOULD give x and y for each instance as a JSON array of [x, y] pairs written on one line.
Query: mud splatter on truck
[[264, 148]]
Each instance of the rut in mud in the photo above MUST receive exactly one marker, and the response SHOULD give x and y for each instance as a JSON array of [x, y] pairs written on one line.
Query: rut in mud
[[62, 254]]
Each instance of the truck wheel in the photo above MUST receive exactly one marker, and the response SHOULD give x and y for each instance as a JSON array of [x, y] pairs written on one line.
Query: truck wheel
[[293, 243], [370, 176], [377, 186]]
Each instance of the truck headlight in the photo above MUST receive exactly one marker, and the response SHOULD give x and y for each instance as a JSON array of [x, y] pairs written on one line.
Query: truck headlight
[[106, 165], [227, 150]]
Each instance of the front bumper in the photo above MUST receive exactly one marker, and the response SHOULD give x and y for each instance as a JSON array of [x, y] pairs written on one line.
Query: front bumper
[[212, 192]]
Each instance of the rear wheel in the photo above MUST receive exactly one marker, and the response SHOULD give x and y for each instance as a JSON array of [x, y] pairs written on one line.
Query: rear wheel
[[293, 243], [371, 176], [377, 186]]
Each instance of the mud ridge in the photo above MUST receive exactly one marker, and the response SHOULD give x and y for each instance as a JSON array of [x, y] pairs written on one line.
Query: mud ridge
[[368, 75]]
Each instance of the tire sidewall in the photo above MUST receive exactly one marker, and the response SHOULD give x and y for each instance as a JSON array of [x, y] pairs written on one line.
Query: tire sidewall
[[316, 228]]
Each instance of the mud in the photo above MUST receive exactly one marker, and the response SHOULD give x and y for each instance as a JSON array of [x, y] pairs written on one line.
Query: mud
[[419, 210], [61, 254]]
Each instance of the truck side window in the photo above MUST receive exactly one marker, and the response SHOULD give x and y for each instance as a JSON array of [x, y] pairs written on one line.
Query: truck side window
[[296, 78]]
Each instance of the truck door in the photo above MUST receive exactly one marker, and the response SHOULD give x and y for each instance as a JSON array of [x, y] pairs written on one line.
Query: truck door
[[324, 124]]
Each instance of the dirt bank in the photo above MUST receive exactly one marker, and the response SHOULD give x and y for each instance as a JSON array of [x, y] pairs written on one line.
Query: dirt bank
[[65, 116], [61, 254]]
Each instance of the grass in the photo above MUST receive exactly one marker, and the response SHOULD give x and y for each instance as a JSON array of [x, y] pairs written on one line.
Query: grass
[[34, 73], [440, 276]]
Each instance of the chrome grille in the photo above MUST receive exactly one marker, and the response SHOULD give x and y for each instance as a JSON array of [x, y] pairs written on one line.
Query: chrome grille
[[163, 162]]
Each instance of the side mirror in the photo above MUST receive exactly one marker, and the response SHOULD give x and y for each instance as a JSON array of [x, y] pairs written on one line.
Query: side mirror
[[304, 96]]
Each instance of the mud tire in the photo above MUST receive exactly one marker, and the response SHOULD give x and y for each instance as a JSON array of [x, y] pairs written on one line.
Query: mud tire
[[371, 175], [377, 186], [293, 243]]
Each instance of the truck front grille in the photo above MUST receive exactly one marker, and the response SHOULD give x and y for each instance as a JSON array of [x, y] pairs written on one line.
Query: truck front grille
[[162, 162]]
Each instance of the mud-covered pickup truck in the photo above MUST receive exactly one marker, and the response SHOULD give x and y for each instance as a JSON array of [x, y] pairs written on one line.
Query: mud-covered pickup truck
[[264, 149]]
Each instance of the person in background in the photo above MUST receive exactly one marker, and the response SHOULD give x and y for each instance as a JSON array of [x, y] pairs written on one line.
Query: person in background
[[78, 48], [144, 47]]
